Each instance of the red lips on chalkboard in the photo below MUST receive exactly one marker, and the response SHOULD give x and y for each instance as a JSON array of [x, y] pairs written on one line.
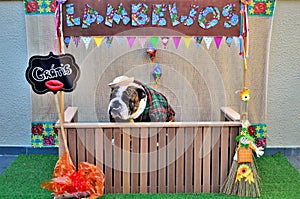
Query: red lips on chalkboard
[[52, 73]]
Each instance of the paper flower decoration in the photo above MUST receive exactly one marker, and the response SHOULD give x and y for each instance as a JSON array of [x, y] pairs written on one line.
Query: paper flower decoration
[[244, 171], [151, 51], [88, 180], [157, 72], [245, 95]]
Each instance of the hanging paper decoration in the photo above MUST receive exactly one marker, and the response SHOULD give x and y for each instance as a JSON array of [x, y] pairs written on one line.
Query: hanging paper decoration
[[151, 51], [76, 41], [108, 41], [218, 41], [142, 41], [154, 41], [229, 41], [67, 41], [120, 40], [157, 72], [165, 41], [98, 40], [176, 41], [236, 41], [39, 7], [86, 41], [130, 41], [198, 41], [208, 41], [187, 41]]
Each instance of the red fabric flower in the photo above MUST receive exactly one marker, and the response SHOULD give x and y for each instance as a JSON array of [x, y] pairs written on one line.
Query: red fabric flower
[[37, 129], [260, 8], [53, 6], [48, 140], [32, 6], [251, 130]]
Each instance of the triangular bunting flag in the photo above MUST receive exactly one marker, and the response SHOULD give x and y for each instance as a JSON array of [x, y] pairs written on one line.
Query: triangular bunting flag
[[130, 41], [236, 41], [108, 41], [229, 41], [142, 41], [154, 41], [120, 40], [76, 41], [208, 41], [218, 41], [187, 41], [98, 40], [198, 41], [165, 41], [86, 41], [67, 41], [176, 41]]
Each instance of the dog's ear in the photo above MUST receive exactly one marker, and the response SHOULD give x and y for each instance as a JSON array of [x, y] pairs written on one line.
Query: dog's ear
[[141, 93]]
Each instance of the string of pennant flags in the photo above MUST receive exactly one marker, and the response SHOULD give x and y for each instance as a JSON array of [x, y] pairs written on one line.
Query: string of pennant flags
[[165, 41]]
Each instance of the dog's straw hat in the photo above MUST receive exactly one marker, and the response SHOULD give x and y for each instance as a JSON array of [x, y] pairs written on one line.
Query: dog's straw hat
[[121, 81]]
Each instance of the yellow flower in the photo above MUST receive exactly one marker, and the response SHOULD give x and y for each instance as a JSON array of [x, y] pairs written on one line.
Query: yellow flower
[[245, 95], [244, 171]]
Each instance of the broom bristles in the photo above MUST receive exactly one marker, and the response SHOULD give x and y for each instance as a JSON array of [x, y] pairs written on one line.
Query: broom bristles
[[241, 188]]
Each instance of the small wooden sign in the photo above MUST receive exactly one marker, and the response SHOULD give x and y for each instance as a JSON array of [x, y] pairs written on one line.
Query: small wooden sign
[[52, 73]]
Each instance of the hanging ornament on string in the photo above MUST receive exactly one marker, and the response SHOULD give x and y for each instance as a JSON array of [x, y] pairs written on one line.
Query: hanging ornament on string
[[151, 51], [157, 72]]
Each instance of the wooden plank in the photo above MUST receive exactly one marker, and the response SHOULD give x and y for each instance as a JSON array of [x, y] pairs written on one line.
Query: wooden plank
[[162, 159], [215, 162], [233, 131], [188, 166], [99, 147], [72, 145], [126, 160], [230, 114], [171, 158], [90, 145], [144, 161], [149, 124], [117, 161], [224, 155], [81, 145], [180, 160], [206, 159], [108, 160], [135, 160], [153, 160], [198, 160], [71, 114]]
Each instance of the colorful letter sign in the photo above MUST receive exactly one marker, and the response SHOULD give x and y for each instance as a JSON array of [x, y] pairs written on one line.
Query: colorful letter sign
[[151, 18]]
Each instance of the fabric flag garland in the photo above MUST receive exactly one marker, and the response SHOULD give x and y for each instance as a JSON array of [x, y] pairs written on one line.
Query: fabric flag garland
[[130, 41], [208, 41], [176, 41], [218, 41], [187, 41], [98, 40]]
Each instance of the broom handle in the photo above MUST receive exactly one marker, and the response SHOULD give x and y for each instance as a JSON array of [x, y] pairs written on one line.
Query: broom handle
[[62, 126]]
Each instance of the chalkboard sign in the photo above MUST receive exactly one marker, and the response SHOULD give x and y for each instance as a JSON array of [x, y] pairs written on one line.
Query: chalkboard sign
[[52, 73]]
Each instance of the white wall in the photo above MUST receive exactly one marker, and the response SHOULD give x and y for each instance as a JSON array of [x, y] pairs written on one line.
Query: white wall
[[283, 118], [15, 107]]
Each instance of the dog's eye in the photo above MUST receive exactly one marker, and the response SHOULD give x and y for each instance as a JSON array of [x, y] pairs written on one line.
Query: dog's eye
[[125, 98]]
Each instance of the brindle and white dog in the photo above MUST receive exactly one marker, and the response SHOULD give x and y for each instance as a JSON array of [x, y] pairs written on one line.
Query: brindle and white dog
[[132, 101]]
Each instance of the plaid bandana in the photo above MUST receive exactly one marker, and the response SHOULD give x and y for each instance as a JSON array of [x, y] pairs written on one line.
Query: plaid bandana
[[157, 108]]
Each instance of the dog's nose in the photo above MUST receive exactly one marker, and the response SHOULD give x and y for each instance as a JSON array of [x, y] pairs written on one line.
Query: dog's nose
[[116, 105]]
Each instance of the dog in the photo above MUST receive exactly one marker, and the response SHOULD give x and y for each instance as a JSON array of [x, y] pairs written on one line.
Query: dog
[[133, 101]]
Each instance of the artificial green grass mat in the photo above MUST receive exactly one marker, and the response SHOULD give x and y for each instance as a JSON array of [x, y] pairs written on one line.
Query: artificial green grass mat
[[22, 179]]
